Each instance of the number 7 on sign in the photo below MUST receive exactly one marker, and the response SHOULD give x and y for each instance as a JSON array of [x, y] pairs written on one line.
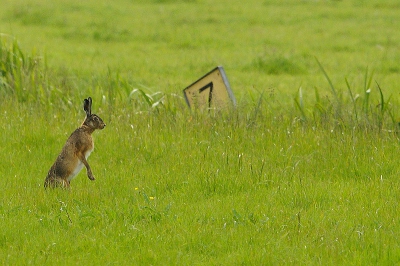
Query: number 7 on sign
[[211, 86]]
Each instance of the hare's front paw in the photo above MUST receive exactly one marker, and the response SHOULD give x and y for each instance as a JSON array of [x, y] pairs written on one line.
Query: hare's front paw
[[91, 176]]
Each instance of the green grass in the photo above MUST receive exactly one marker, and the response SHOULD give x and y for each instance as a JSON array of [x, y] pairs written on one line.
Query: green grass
[[182, 190], [303, 172]]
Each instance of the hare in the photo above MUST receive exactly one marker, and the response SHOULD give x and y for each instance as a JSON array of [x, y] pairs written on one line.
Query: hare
[[76, 151]]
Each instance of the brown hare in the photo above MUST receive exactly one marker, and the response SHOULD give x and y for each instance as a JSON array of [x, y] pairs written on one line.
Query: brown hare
[[76, 151]]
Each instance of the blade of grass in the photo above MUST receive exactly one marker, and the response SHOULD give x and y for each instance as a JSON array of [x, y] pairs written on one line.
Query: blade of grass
[[353, 100], [382, 105], [299, 104], [328, 79]]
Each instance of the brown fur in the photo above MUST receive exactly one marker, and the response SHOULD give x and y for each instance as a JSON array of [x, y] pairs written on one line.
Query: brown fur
[[75, 152]]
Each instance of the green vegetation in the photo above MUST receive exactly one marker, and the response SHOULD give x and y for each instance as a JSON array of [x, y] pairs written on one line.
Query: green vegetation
[[303, 171]]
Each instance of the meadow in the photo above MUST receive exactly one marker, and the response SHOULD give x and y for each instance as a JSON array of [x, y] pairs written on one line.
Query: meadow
[[303, 171]]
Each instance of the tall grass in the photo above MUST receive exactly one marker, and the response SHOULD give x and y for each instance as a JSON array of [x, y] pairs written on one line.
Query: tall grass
[[201, 188], [367, 109], [25, 78], [22, 76]]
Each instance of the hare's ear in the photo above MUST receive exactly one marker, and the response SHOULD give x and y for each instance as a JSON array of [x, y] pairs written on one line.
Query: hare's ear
[[87, 106]]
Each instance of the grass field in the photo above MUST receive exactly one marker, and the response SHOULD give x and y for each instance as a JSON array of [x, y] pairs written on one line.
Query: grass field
[[304, 171]]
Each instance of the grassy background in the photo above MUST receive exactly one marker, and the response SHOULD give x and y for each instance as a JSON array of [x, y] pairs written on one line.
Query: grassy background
[[291, 176], [165, 45]]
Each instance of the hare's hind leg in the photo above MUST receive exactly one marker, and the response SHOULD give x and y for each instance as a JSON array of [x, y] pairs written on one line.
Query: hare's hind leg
[[56, 182]]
